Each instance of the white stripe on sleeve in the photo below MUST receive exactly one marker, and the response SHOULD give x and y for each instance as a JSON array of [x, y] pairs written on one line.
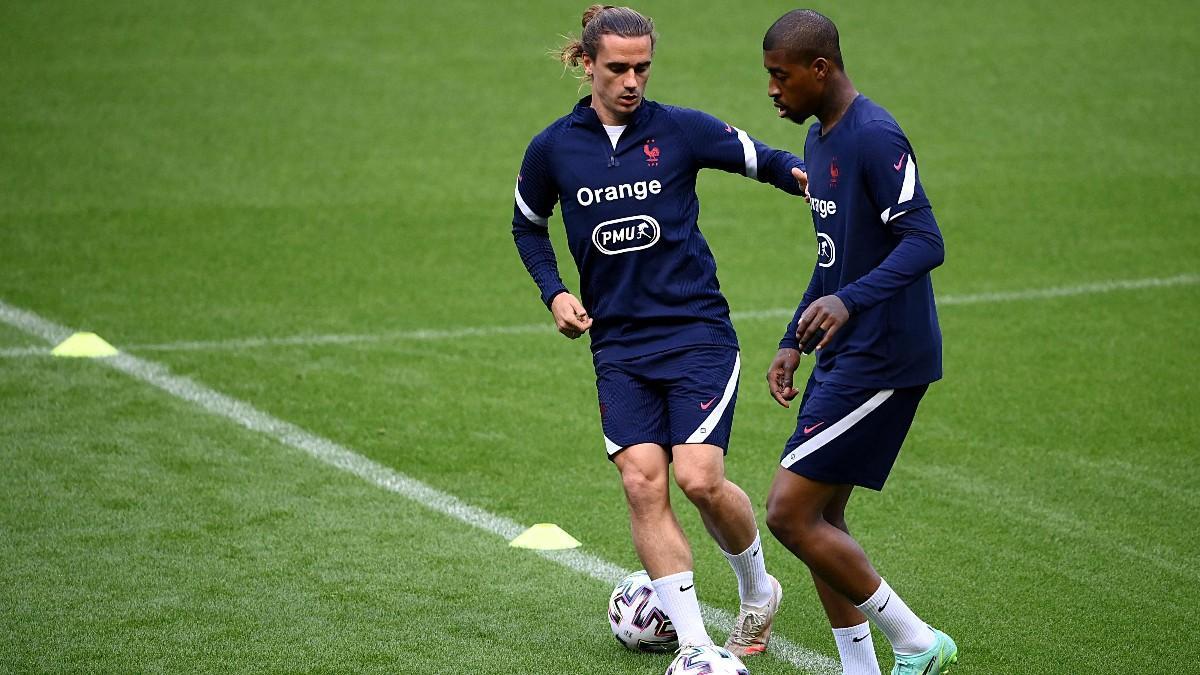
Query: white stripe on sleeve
[[907, 189], [749, 152], [910, 181], [528, 212]]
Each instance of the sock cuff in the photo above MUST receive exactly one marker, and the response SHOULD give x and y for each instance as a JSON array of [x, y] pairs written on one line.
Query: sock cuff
[[754, 545], [679, 577], [853, 631], [877, 598]]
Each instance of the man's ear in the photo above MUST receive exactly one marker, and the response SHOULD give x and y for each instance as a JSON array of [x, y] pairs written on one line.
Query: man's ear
[[820, 66]]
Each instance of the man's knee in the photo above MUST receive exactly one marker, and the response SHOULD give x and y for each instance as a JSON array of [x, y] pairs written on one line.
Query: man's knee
[[703, 488], [644, 489], [788, 522], [779, 522]]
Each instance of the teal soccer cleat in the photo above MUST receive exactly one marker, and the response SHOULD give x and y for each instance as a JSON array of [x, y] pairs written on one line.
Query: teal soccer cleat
[[935, 661]]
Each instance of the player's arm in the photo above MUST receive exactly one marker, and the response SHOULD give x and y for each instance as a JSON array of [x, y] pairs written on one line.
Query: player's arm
[[890, 176], [781, 373], [534, 200], [789, 339], [717, 145]]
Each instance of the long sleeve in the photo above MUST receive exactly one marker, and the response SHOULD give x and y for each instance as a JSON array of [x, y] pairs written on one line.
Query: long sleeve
[[919, 251], [811, 293], [534, 196], [717, 145], [890, 176], [538, 255]]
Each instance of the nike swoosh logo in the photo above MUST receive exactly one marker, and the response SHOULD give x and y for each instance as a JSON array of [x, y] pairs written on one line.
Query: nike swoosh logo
[[860, 639], [683, 589], [929, 668], [706, 406], [755, 552], [885, 602], [809, 430], [899, 164]]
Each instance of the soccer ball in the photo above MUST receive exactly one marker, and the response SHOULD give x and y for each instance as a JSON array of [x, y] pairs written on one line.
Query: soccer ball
[[637, 618], [706, 660]]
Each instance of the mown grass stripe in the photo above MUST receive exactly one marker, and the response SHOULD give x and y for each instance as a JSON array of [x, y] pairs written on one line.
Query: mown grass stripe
[[753, 315], [240, 344]]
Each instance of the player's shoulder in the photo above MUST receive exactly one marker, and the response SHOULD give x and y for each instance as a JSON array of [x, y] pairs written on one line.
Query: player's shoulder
[[873, 121], [673, 110], [545, 139], [682, 115]]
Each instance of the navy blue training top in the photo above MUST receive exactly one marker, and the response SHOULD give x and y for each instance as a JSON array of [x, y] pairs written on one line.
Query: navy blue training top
[[877, 240], [647, 276]]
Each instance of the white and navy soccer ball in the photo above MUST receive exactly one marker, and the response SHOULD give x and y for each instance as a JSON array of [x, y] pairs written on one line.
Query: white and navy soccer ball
[[706, 660], [637, 618]]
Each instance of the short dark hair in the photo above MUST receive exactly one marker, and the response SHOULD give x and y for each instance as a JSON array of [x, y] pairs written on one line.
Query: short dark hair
[[807, 34]]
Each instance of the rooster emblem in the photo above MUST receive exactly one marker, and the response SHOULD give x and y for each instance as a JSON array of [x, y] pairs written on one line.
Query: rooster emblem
[[652, 153]]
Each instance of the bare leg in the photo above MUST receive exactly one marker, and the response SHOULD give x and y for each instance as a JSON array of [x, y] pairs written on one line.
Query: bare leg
[[796, 515], [841, 612], [729, 518], [724, 507], [660, 542], [657, 536]]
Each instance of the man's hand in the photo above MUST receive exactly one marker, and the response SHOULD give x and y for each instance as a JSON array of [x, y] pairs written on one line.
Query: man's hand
[[826, 313], [779, 375], [569, 315], [802, 181]]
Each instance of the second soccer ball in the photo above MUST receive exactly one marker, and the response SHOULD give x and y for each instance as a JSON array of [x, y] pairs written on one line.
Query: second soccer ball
[[706, 660]]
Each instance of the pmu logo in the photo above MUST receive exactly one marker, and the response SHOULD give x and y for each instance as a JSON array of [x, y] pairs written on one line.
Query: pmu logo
[[624, 235], [826, 252]]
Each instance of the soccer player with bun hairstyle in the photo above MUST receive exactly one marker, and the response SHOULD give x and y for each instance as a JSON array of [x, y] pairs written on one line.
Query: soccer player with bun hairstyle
[[623, 171], [870, 314]]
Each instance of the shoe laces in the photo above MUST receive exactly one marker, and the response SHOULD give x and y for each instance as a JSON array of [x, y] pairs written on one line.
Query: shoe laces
[[748, 627]]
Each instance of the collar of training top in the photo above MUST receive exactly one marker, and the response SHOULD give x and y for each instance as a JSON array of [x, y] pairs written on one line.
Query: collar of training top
[[586, 115]]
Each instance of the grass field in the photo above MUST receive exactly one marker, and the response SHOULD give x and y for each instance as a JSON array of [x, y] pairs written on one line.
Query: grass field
[[305, 207]]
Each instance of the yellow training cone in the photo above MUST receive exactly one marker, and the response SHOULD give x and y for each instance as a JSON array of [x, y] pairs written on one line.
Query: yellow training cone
[[545, 536], [84, 345]]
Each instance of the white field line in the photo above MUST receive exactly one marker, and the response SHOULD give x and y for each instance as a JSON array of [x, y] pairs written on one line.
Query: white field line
[[25, 351], [237, 344], [1014, 296], [343, 458]]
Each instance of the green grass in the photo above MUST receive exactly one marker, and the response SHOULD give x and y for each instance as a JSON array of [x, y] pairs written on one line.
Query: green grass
[[176, 171]]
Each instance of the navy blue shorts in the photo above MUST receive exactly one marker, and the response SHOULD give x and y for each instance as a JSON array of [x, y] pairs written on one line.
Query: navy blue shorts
[[669, 398], [850, 435]]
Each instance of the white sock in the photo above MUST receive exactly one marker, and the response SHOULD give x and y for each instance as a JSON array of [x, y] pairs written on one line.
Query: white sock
[[856, 650], [677, 593], [754, 586], [904, 629]]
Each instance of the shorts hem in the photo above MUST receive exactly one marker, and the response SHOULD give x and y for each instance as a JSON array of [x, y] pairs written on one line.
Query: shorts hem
[[612, 456], [835, 480]]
